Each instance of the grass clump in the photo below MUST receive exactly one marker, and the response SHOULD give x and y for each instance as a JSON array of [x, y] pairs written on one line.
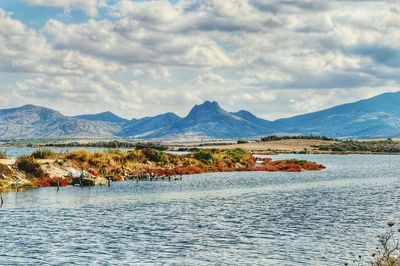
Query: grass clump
[[29, 166], [3, 155], [43, 154], [5, 170], [79, 155]]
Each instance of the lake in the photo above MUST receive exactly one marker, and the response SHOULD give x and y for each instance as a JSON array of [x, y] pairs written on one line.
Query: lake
[[18, 151], [253, 218]]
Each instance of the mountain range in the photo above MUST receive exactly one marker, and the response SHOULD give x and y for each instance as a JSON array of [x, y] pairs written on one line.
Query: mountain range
[[377, 117]]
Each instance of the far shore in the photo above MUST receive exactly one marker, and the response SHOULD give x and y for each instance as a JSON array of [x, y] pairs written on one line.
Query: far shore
[[286, 145]]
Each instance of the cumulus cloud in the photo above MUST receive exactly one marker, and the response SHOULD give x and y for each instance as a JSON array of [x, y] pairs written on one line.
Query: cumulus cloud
[[128, 43], [277, 58], [25, 50], [90, 94]]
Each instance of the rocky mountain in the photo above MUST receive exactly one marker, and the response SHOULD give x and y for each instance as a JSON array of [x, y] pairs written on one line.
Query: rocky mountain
[[210, 120], [149, 126], [246, 115], [377, 117], [103, 117], [31, 121]]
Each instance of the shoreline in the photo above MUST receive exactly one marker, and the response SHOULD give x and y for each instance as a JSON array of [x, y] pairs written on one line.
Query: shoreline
[[100, 168], [271, 147]]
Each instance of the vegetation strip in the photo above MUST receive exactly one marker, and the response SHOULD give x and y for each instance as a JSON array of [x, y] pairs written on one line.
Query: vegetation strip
[[46, 168]]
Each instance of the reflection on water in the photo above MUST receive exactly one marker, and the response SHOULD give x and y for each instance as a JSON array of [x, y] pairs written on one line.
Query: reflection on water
[[309, 218]]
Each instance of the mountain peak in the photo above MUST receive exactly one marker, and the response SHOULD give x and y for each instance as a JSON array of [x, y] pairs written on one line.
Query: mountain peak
[[245, 114], [208, 105], [206, 108], [104, 117], [28, 106]]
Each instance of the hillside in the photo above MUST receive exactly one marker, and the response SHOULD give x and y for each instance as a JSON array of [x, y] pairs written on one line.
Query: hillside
[[377, 117], [31, 121]]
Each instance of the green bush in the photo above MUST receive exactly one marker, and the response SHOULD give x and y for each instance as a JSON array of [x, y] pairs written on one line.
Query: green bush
[[42, 154], [155, 156], [204, 156], [29, 166], [237, 155]]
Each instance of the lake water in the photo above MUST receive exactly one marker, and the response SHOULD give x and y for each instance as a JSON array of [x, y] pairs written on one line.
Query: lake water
[[256, 218], [17, 151]]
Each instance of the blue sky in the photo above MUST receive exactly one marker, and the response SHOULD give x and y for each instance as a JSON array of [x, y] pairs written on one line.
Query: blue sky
[[141, 58]]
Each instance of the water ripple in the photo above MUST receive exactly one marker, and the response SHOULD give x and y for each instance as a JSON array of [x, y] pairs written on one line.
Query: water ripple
[[310, 218]]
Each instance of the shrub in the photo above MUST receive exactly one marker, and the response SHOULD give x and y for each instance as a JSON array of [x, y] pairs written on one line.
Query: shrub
[[156, 156], [60, 162], [241, 141], [3, 155], [387, 253], [237, 155], [29, 166], [5, 170], [150, 145], [42, 154], [205, 156], [135, 156], [80, 155]]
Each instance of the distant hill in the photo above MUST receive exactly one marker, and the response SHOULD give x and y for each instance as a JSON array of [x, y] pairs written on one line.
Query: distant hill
[[246, 115], [377, 117], [149, 126], [103, 117], [31, 121]]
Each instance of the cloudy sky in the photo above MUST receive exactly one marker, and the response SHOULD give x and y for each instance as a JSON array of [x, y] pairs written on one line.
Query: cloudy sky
[[140, 58]]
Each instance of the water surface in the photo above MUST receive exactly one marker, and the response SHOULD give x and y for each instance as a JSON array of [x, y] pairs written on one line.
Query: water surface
[[253, 218]]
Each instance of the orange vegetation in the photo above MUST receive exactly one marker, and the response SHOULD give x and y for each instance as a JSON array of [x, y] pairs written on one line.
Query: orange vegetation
[[51, 181]]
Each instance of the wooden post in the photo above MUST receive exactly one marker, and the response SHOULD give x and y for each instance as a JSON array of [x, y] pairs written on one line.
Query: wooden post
[[58, 185], [1, 201], [109, 181]]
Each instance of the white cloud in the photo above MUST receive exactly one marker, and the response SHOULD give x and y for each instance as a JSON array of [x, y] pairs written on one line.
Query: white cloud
[[277, 58], [90, 94], [126, 42], [25, 50]]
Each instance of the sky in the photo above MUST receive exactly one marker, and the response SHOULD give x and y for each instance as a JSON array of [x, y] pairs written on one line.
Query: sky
[[142, 58]]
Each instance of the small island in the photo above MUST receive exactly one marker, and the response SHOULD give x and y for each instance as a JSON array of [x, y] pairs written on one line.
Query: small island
[[44, 167]]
